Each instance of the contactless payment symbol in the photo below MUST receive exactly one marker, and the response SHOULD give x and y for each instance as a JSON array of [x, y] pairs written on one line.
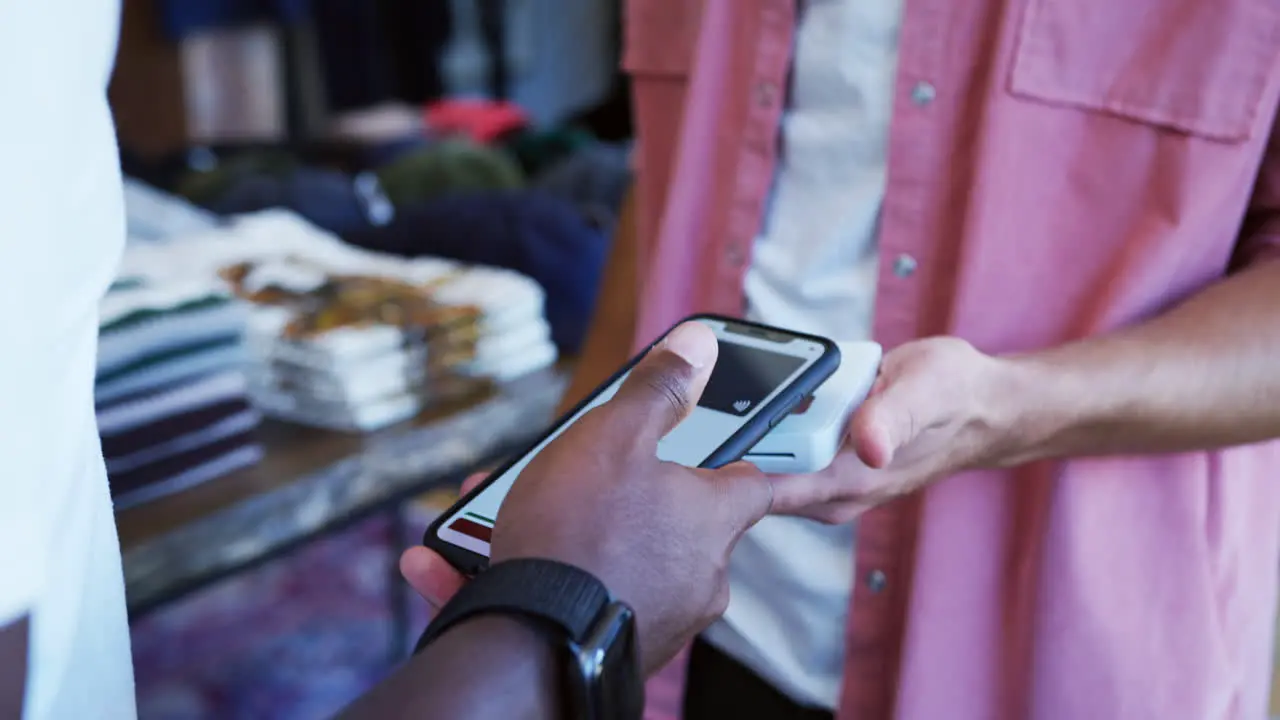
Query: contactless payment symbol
[[741, 405]]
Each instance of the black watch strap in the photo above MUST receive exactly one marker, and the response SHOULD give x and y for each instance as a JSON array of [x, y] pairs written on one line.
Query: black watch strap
[[569, 598]]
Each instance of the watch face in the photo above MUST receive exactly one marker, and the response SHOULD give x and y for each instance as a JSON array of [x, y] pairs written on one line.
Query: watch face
[[609, 668], [622, 689]]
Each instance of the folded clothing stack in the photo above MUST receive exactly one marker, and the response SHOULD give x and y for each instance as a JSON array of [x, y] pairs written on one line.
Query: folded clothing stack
[[358, 353], [349, 339], [171, 393]]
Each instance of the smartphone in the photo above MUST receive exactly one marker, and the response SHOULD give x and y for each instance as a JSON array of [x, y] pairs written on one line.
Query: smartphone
[[761, 374]]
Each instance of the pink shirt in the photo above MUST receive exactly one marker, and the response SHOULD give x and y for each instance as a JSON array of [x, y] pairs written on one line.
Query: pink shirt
[[1057, 169]]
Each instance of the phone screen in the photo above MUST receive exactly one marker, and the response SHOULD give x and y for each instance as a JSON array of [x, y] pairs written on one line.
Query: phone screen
[[750, 372]]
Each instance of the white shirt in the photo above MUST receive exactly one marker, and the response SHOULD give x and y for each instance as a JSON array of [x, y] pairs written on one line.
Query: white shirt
[[814, 270], [61, 233]]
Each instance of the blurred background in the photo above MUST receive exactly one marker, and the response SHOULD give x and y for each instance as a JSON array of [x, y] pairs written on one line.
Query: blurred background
[[365, 238]]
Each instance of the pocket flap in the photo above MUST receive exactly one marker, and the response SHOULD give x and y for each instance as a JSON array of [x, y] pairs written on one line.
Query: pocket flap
[[1194, 66]]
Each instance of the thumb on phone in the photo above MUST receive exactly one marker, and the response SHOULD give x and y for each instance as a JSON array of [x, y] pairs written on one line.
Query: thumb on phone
[[663, 388]]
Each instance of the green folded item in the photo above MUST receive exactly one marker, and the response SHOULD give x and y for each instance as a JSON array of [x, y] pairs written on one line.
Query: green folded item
[[448, 166]]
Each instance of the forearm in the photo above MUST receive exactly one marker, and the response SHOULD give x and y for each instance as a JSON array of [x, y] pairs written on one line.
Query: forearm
[[1205, 374], [490, 667]]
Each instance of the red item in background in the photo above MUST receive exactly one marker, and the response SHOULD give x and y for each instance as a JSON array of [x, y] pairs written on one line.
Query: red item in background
[[483, 121]]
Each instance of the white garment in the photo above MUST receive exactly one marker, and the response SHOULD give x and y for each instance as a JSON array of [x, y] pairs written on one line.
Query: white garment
[[61, 233], [814, 269]]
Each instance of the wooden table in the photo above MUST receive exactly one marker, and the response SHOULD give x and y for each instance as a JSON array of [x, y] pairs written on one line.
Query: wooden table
[[313, 483]]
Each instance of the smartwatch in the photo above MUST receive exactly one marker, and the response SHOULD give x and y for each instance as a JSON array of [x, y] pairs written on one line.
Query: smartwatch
[[574, 609]]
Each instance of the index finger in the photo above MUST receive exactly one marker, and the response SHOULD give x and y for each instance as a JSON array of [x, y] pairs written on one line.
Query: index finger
[[793, 493], [430, 575], [745, 495], [472, 481]]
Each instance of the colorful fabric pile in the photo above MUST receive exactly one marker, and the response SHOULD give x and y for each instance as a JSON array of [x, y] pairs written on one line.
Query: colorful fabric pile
[[362, 352], [348, 339]]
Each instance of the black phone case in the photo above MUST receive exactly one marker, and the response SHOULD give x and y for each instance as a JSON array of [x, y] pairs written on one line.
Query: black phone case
[[470, 563]]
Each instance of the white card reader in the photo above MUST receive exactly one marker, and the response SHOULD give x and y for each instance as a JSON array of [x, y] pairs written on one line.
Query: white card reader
[[807, 439]]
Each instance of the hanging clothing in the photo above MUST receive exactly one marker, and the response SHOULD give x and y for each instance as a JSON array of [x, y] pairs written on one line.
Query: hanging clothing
[[377, 51]]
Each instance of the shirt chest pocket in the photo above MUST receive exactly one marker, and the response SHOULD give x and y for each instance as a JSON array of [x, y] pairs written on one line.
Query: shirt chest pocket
[[1199, 67]]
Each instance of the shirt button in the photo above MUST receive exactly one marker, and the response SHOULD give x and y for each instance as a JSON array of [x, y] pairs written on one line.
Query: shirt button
[[923, 93], [904, 266], [766, 94], [734, 256], [877, 581]]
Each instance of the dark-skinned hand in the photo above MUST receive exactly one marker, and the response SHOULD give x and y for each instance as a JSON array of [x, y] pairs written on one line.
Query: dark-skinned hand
[[657, 534]]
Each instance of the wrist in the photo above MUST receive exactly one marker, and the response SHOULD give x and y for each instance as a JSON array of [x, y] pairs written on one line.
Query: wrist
[[531, 655], [519, 679], [517, 655], [571, 607], [1045, 405]]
